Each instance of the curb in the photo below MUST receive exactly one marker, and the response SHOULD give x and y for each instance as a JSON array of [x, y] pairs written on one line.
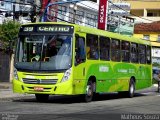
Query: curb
[[5, 85], [16, 97]]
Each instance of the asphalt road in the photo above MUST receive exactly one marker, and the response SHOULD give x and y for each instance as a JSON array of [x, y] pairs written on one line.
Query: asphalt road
[[145, 105]]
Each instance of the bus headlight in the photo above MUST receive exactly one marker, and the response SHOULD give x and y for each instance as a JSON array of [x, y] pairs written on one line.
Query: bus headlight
[[15, 74], [66, 75]]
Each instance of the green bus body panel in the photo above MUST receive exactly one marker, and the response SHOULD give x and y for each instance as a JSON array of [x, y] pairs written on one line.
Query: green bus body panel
[[110, 76], [114, 76]]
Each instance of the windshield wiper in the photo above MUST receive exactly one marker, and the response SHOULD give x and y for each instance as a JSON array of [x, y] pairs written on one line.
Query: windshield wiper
[[43, 41]]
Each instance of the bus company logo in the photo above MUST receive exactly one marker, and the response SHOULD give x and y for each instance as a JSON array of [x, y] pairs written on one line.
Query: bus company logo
[[39, 81], [103, 69]]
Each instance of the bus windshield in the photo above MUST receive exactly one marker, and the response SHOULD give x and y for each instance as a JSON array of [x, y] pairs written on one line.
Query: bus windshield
[[44, 52]]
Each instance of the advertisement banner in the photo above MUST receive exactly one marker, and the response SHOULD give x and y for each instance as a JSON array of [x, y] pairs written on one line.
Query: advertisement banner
[[102, 14]]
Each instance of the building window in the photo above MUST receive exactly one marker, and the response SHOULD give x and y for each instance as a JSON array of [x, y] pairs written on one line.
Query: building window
[[91, 20], [71, 15], [62, 12], [152, 13], [146, 37], [79, 17]]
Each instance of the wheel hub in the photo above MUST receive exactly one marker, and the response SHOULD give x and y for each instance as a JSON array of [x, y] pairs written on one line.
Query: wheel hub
[[89, 91]]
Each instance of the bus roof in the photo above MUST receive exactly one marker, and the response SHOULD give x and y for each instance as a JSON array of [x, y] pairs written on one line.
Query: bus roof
[[89, 30]]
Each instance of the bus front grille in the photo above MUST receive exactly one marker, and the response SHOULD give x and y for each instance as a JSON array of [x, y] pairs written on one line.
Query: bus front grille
[[39, 81]]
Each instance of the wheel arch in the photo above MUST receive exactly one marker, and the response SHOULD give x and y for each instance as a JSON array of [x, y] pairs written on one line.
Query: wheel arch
[[133, 78], [92, 78]]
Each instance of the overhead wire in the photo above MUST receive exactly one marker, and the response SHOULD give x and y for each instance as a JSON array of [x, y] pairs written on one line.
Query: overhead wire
[[86, 6]]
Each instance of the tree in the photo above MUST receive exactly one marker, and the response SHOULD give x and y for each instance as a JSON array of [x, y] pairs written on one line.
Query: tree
[[8, 32]]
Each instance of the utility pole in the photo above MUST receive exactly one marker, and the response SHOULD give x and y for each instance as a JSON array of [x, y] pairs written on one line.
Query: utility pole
[[33, 12], [13, 12]]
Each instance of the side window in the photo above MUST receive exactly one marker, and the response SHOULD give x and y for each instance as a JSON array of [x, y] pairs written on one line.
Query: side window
[[115, 50], [80, 50], [104, 48], [134, 53], [148, 55], [92, 47], [125, 51], [142, 54]]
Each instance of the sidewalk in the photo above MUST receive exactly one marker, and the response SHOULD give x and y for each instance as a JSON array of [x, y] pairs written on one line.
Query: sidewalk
[[5, 85], [6, 91]]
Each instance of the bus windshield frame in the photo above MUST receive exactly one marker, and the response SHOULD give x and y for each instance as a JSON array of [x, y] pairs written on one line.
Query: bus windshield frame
[[45, 50]]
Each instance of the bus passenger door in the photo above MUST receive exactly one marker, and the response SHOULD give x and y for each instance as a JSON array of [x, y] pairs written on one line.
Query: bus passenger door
[[79, 65]]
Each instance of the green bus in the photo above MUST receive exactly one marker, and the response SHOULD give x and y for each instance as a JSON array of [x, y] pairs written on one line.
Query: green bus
[[56, 58]]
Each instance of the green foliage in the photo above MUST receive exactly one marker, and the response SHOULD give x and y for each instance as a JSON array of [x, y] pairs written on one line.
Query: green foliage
[[8, 32]]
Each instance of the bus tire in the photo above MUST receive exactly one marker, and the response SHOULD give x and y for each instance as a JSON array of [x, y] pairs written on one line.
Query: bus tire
[[89, 92], [42, 97], [131, 88]]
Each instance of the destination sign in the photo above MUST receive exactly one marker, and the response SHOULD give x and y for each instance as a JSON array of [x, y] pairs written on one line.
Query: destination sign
[[47, 28], [53, 28]]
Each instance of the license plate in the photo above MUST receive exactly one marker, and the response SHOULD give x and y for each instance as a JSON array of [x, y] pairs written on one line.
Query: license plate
[[38, 88]]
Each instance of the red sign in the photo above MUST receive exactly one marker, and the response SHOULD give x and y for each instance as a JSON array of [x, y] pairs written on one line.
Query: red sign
[[44, 4], [102, 14]]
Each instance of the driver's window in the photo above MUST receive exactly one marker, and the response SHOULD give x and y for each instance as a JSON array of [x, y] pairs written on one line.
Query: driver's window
[[80, 50]]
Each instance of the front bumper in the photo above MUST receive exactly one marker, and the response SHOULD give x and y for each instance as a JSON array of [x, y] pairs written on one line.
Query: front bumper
[[65, 88]]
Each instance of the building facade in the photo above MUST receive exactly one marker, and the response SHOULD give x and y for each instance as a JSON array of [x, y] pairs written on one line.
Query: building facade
[[150, 31], [7, 6], [83, 13], [144, 11]]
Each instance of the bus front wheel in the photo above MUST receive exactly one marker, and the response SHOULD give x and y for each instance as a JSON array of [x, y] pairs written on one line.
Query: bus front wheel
[[41, 97], [131, 88], [89, 92]]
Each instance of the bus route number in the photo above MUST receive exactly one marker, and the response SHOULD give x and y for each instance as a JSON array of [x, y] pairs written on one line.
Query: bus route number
[[28, 29]]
